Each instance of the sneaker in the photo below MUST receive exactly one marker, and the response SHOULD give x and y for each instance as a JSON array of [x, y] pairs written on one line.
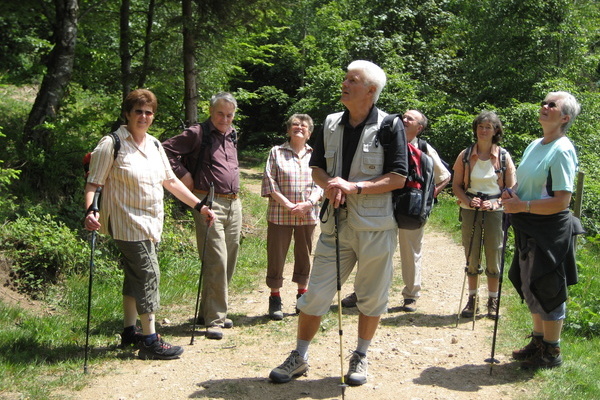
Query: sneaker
[[131, 338], [546, 357], [159, 350], [228, 324], [275, 312], [357, 373], [492, 307], [410, 305], [529, 350], [350, 300], [295, 365], [469, 309], [214, 332]]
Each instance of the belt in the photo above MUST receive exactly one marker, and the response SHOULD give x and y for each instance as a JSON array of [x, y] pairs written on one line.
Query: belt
[[231, 196]]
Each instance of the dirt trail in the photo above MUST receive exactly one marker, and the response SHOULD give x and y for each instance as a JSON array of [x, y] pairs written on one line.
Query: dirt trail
[[413, 355]]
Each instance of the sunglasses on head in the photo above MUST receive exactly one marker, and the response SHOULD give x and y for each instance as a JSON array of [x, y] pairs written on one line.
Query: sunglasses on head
[[550, 104], [141, 112]]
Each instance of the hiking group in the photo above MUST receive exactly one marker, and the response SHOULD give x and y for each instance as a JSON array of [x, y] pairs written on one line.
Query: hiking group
[[376, 181]]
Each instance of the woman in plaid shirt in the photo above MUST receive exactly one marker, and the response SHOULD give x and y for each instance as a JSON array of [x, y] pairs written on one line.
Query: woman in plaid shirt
[[293, 197]]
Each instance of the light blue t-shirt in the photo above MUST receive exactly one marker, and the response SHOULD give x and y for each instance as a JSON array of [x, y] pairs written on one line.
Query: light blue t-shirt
[[558, 156]]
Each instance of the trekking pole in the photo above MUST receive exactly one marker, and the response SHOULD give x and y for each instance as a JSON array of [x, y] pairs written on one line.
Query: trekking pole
[[209, 202], [505, 226], [462, 292], [479, 270], [336, 216], [95, 208]]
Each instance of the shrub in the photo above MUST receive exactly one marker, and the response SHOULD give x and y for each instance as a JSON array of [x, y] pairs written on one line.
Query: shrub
[[42, 250]]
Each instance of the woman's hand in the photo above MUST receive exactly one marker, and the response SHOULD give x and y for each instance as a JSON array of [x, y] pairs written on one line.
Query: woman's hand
[[302, 208], [511, 202], [91, 222]]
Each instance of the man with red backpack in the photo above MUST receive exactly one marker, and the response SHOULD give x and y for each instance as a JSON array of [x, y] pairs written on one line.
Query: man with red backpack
[[411, 240]]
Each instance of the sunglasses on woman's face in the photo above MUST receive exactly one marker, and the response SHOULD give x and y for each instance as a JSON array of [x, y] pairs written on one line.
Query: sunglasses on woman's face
[[147, 113], [550, 104]]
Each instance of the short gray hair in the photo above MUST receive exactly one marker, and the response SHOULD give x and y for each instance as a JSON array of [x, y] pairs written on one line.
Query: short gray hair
[[223, 96], [568, 106], [374, 75]]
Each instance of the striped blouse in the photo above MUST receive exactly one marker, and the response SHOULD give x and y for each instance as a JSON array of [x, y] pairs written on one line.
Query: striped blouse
[[132, 198]]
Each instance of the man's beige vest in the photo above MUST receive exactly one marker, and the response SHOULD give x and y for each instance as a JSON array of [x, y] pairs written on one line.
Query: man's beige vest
[[366, 212]]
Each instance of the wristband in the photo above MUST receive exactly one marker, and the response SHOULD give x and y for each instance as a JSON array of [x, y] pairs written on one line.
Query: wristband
[[358, 188], [198, 206]]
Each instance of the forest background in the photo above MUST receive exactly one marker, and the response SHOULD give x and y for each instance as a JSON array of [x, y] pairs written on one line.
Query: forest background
[[65, 66]]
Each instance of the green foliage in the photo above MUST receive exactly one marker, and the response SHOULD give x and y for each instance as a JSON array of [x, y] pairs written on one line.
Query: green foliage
[[42, 251]]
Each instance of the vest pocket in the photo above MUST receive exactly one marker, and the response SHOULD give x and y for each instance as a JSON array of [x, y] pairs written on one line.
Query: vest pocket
[[372, 164], [331, 161]]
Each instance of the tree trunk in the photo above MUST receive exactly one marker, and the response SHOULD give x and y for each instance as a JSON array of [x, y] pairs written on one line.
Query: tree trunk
[[58, 75], [124, 52], [147, 44], [190, 99]]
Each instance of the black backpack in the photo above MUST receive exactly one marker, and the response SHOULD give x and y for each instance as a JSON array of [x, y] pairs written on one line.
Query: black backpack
[[412, 203]]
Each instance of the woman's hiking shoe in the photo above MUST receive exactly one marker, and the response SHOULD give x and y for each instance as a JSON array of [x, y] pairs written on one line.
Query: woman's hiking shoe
[[492, 307], [529, 350], [357, 372], [295, 365], [547, 356], [159, 350], [131, 338], [469, 309], [350, 300], [275, 312]]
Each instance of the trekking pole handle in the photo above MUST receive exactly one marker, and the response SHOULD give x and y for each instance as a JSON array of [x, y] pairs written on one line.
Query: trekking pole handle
[[94, 206]]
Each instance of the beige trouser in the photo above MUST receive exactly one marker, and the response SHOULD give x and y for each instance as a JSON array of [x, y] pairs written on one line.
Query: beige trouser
[[218, 264]]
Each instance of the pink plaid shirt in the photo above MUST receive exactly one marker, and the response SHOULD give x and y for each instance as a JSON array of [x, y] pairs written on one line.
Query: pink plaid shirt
[[290, 175]]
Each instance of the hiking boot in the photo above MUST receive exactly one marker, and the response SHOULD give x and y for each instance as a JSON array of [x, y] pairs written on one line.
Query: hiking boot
[[275, 312], [469, 309], [546, 356], [410, 305], [350, 300], [357, 372], [529, 350], [159, 350], [228, 324], [492, 307], [131, 338], [295, 365], [214, 332]]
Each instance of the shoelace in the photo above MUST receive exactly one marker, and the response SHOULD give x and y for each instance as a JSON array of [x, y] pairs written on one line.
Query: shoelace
[[290, 363]]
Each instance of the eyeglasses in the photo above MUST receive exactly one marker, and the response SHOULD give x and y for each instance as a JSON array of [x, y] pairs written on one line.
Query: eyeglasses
[[298, 124], [550, 104], [142, 112]]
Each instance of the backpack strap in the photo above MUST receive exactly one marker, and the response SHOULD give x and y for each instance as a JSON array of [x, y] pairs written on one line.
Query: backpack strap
[[206, 143], [467, 163], [502, 169], [116, 144], [384, 134]]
